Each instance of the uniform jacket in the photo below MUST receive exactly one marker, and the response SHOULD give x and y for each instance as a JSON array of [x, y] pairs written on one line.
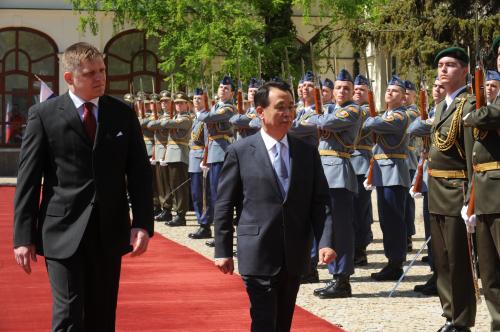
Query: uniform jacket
[[199, 139], [79, 176], [241, 123], [178, 137], [360, 158], [412, 160], [160, 136], [148, 133], [303, 130]]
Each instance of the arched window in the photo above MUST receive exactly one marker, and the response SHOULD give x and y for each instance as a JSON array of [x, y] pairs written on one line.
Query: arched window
[[23, 53], [131, 57]]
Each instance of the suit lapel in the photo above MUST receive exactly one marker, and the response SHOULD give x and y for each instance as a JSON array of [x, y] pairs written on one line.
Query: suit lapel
[[70, 114], [102, 120], [293, 166], [260, 153]]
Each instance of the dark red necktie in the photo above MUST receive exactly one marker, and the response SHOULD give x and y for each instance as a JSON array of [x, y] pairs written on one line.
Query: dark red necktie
[[89, 122]]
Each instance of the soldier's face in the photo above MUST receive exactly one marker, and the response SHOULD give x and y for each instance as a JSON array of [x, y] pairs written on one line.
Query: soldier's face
[[198, 101], [451, 73], [251, 94], [181, 106], [224, 92], [498, 59], [360, 94], [410, 97], [343, 92], [89, 80], [307, 90], [394, 96], [277, 117], [438, 92], [492, 90], [299, 90], [326, 93]]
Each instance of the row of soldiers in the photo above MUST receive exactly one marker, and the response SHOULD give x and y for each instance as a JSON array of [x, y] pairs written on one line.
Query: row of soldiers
[[363, 151]]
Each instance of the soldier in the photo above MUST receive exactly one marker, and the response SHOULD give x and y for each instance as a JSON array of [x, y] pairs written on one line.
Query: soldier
[[300, 128], [327, 92], [177, 157], [422, 128], [486, 161], [241, 122], [220, 135], [200, 186], [449, 171], [161, 143], [300, 101], [492, 87], [360, 160], [412, 160], [339, 127], [391, 177], [146, 116]]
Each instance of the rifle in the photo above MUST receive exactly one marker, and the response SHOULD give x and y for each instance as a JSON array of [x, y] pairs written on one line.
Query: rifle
[[172, 106], [213, 93], [260, 67], [290, 78], [239, 96], [480, 102], [317, 88], [422, 106], [139, 102], [373, 113], [153, 103]]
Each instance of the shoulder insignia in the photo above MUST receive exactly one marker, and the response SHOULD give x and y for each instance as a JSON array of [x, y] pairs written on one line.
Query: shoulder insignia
[[341, 113], [221, 110], [398, 115], [179, 120], [353, 109], [388, 118], [251, 116]]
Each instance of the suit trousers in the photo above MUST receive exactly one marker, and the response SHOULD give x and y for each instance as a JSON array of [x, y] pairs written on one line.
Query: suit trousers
[[391, 202], [410, 210], [198, 184], [85, 285], [427, 228], [272, 300], [156, 193], [488, 247], [453, 267], [163, 187], [343, 223], [177, 179], [363, 216]]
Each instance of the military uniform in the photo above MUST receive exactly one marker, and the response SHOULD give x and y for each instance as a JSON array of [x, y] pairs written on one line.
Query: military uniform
[[339, 128], [241, 122], [177, 158], [391, 178], [302, 129], [486, 164]]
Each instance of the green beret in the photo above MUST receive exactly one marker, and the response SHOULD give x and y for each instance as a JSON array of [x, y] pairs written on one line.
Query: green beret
[[453, 52], [496, 43]]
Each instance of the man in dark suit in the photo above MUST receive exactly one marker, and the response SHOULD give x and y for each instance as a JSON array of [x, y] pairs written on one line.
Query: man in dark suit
[[280, 183], [88, 149]]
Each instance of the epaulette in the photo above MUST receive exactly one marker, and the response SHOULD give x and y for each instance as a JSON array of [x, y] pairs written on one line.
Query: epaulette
[[341, 113], [251, 115], [399, 116], [353, 109]]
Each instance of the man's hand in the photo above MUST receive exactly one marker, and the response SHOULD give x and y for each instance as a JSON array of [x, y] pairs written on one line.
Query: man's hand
[[470, 222], [204, 167], [23, 254], [368, 187], [326, 255], [226, 265], [139, 239], [414, 194]]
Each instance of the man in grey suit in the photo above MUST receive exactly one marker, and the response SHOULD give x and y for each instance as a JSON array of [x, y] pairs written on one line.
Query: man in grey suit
[[88, 149], [281, 185]]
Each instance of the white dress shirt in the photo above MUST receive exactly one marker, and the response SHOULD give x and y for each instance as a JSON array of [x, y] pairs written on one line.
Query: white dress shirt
[[79, 105], [270, 143]]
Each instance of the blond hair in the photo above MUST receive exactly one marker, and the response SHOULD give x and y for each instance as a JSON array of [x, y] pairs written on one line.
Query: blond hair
[[76, 54]]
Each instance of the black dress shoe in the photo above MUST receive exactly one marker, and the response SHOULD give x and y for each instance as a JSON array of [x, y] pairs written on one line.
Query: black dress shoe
[[389, 272], [202, 233], [340, 289], [429, 286], [156, 211], [179, 220], [425, 259], [454, 328], [210, 243], [445, 327], [311, 278], [164, 216], [326, 286]]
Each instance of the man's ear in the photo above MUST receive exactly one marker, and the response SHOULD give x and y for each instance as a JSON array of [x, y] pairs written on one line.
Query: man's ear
[[68, 77], [260, 112]]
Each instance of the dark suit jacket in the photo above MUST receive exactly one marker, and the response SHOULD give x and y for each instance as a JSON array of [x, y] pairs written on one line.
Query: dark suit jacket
[[79, 177], [272, 231]]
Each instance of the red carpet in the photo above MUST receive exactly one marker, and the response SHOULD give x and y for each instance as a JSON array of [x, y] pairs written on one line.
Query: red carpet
[[170, 288]]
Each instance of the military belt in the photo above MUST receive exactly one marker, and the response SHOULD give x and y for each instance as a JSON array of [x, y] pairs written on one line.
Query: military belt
[[412, 148], [178, 143], [334, 153], [163, 142], [226, 137], [484, 167], [448, 174], [148, 139], [197, 147], [363, 147], [380, 156]]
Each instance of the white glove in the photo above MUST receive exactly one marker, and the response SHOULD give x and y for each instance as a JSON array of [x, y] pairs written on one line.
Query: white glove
[[204, 167], [415, 195], [163, 163], [367, 186], [470, 222], [152, 161]]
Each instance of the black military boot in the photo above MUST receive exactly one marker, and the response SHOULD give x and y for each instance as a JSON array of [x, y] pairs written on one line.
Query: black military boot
[[164, 216], [329, 284], [156, 211], [203, 232], [179, 220], [360, 257], [340, 289], [429, 283], [392, 271], [211, 244]]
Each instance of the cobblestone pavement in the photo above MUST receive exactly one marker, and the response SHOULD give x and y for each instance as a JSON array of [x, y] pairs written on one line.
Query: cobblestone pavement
[[370, 309]]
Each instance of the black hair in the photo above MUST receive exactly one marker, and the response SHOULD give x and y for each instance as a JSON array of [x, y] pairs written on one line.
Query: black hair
[[261, 97]]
